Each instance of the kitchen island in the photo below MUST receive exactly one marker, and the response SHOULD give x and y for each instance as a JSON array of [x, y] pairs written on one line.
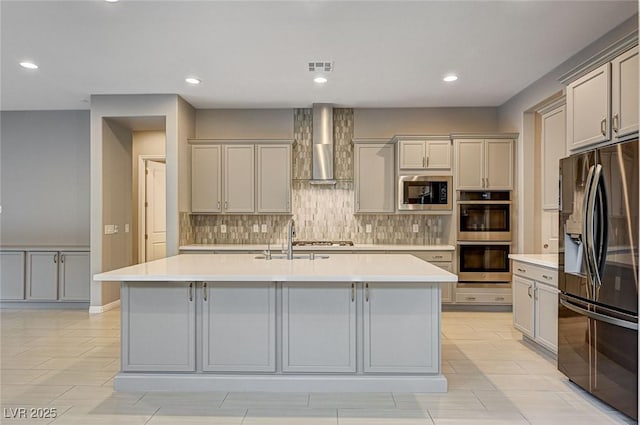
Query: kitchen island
[[359, 322]]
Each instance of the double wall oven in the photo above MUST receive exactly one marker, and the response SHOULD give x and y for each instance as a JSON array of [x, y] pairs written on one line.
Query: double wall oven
[[484, 237]]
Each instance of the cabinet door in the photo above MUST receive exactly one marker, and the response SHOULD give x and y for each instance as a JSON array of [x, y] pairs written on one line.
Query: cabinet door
[[160, 322], [553, 148], [498, 164], [546, 316], [470, 164], [318, 327], [624, 93], [11, 275], [523, 305], [274, 178], [42, 275], [239, 178], [413, 155], [206, 178], [238, 327], [401, 327], [374, 178], [588, 109], [75, 276], [438, 154]]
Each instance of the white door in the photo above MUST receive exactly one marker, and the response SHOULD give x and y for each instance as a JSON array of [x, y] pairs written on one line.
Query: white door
[[523, 305], [156, 211], [546, 316]]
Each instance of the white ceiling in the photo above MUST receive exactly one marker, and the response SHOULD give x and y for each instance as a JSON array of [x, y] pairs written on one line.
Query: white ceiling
[[255, 54]]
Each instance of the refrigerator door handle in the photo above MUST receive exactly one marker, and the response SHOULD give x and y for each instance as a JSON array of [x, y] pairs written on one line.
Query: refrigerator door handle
[[590, 226], [603, 224], [600, 317], [587, 225]]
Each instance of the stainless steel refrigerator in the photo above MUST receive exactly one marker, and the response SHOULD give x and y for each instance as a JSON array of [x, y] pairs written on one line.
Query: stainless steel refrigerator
[[598, 273]]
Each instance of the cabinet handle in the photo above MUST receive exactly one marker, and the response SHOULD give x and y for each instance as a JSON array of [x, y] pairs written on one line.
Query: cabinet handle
[[437, 257], [55, 258], [470, 298], [366, 292], [218, 204], [615, 122], [62, 258], [204, 291], [486, 183], [529, 291], [522, 270], [499, 298], [424, 164], [603, 126], [547, 277], [190, 291], [353, 292], [226, 205]]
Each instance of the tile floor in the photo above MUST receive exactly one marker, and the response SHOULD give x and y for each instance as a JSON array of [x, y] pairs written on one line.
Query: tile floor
[[67, 360]]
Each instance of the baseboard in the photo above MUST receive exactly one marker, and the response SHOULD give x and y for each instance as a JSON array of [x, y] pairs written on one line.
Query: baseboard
[[499, 308], [46, 305], [96, 309]]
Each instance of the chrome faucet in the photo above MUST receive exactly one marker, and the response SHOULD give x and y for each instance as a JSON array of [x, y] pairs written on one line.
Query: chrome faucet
[[290, 235]]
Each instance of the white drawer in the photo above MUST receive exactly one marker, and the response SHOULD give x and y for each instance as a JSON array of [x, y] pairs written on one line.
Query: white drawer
[[431, 256], [538, 273], [483, 298]]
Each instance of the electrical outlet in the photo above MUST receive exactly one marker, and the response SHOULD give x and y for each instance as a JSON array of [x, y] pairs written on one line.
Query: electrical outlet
[[109, 229], [416, 228], [223, 228], [126, 228], [367, 228], [256, 228], [115, 228], [264, 228]]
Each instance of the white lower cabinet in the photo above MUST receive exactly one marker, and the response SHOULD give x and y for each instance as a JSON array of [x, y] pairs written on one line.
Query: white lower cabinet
[[238, 327], [12, 275], [400, 328], [319, 327], [535, 304], [74, 276], [159, 334], [42, 276]]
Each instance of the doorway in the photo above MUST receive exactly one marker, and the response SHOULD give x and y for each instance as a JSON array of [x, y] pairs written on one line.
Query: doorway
[[152, 207]]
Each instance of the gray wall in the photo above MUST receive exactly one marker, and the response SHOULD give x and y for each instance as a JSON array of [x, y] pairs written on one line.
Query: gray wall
[[387, 122], [44, 163], [244, 124]]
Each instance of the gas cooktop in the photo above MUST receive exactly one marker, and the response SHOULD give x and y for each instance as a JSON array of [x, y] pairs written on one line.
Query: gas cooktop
[[322, 243]]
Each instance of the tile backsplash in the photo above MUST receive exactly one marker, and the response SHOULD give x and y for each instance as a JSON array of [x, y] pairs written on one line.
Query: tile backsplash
[[320, 212]]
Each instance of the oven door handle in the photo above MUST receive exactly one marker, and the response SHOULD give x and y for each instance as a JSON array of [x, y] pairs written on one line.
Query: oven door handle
[[600, 317]]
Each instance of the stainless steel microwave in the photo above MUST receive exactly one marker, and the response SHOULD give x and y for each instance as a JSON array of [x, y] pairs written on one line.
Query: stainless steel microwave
[[425, 193]]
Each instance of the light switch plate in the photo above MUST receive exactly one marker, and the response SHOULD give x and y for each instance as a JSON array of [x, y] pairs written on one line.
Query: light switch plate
[[126, 228], [367, 228], [223, 228], [115, 228], [416, 228], [256, 228], [264, 228], [109, 229]]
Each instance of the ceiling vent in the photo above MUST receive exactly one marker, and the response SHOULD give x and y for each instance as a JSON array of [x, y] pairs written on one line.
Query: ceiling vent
[[320, 66]]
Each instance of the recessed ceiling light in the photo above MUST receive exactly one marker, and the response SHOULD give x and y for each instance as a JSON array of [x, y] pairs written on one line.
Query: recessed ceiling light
[[450, 78], [192, 80], [28, 65], [111, 1], [320, 80]]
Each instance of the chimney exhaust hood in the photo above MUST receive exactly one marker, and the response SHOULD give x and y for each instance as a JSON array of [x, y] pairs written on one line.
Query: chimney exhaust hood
[[322, 144]]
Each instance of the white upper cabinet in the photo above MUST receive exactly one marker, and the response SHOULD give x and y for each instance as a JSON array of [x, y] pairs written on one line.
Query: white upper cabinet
[[602, 105], [624, 93], [374, 178], [553, 148], [241, 178], [206, 178], [484, 164], [274, 178], [425, 154]]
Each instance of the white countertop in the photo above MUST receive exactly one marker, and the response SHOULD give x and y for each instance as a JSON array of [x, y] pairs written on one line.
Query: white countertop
[[44, 248], [544, 260], [246, 268], [356, 247]]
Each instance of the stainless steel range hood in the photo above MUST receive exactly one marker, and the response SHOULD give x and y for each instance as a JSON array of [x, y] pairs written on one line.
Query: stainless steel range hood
[[322, 144]]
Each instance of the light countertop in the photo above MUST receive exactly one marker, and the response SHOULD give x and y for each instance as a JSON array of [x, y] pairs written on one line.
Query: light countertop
[[544, 260], [277, 247], [246, 268], [44, 248]]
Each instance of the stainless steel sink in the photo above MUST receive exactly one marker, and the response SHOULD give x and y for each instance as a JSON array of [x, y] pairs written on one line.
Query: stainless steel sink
[[310, 256]]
